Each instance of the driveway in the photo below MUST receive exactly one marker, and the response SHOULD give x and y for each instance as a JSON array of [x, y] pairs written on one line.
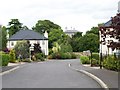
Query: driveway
[[48, 74]]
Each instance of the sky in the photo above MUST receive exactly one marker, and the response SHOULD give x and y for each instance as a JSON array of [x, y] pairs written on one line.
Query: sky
[[81, 15]]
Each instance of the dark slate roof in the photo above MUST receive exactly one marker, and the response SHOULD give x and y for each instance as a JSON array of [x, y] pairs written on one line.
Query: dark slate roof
[[71, 31], [107, 24], [27, 35]]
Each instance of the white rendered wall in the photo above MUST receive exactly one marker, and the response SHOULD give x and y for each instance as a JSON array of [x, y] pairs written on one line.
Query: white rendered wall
[[43, 45]]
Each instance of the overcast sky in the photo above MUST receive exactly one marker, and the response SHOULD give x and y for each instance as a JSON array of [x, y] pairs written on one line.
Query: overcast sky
[[78, 14]]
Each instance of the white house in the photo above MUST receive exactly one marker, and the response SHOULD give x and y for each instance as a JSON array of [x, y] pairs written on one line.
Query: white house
[[103, 47], [31, 36], [70, 32]]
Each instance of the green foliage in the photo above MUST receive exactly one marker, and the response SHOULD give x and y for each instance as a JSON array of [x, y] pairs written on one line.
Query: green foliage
[[4, 59], [12, 56], [45, 25], [111, 63], [54, 36], [95, 59], [26, 60], [77, 44], [65, 47], [61, 55], [73, 56], [84, 60], [78, 34], [56, 48], [94, 30], [95, 56], [22, 48], [3, 39], [40, 57], [14, 26], [66, 55], [89, 41]]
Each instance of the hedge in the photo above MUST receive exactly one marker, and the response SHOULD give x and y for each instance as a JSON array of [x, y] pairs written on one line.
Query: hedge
[[84, 60], [111, 63], [39, 57], [61, 55], [4, 59]]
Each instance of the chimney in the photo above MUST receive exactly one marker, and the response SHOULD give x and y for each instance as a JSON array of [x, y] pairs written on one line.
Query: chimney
[[46, 34]]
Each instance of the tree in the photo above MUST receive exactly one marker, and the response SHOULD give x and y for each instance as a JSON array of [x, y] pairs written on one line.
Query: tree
[[3, 39], [22, 48], [14, 26], [54, 36], [75, 42], [45, 25], [94, 30], [78, 34], [90, 42]]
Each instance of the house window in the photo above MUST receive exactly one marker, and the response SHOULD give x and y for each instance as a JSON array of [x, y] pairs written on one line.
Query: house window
[[12, 43]]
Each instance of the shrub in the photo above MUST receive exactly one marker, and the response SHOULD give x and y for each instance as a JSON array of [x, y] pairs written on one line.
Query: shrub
[[40, 57], [84, 60], [61, 55], [111, 63], [22, 48], [12, 56], [65, 55], [26, 60], [95, 59], [66, 48], [95, 56], [73, 56], [95, 62], [4, 59], [49, 57]]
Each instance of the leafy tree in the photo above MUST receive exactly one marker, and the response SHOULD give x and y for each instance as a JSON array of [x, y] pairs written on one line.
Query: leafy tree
[[90, 42], [75, 42], [14, 26], [3, 39], [78, 34], [22, 48], [54, 36], [66, 47], [45, 25], [94, 30], [56, 48]]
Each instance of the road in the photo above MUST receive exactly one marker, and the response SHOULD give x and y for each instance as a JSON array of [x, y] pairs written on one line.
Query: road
[[48, 74]]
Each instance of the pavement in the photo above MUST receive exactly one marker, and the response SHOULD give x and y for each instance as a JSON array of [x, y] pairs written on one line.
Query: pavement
[[108, 77], [10, 67]]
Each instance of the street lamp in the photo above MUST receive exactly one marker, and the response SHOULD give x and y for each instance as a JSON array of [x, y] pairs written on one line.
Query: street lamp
[[100, 50], [101, 56]]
